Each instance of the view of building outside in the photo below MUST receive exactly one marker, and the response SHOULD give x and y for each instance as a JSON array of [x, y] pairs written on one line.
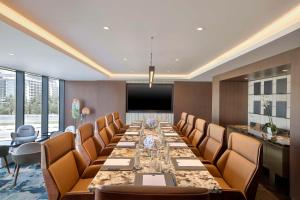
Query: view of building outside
[[7, 103], [53, 100], [33, 101]]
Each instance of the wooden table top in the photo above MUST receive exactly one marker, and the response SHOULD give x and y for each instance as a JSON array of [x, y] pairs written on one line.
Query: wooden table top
[[190, 178]]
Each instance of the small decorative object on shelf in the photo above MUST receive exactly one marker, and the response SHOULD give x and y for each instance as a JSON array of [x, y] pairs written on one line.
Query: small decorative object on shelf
[[84, 113], [75, 111], [269, 127]]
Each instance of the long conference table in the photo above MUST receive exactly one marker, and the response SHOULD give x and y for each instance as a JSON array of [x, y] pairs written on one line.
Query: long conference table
[[113, 172]]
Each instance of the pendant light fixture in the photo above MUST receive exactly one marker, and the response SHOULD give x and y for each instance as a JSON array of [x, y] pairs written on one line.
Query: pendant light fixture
[[151, 67]]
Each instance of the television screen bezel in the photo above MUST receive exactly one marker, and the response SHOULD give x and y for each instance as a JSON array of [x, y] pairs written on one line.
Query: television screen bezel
[[150, 111]]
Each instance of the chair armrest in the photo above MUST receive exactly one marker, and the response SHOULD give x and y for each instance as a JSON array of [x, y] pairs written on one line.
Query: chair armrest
[[91, 171], [13, 135], [107, 150], [78, 195]]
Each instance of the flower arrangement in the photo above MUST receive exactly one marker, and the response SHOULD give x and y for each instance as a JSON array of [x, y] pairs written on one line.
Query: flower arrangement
[[151, 123], [269, 127]]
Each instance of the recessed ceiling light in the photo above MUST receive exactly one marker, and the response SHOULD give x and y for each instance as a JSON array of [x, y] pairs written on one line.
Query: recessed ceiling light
[[125, 59], [199, 29], [106, 28], [177, 59], [284, 70], [11, 54]]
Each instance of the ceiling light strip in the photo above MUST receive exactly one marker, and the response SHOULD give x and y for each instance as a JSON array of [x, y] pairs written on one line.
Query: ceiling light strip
[[17, 18], [280, 27]]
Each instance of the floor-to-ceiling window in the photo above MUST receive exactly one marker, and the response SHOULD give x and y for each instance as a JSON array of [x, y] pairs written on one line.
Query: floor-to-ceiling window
[[33, 101], [53, 105], [7, 103]]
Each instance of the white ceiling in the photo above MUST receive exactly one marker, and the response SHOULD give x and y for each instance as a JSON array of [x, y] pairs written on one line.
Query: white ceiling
[[173, 23]]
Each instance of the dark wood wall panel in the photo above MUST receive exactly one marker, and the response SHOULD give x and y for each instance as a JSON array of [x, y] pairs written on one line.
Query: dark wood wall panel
[[194, 98], [291, 57], [101, 96], [233, 103]]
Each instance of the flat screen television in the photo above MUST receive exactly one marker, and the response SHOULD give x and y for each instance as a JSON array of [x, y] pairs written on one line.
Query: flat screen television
[[141, 98]]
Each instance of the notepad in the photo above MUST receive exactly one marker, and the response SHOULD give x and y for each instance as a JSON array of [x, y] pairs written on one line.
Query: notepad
[[189, 163], [134, 126], [131, 133], [170, 134], [154, 180], [117, 162], [166, 127], [126, 144], [177, 144]]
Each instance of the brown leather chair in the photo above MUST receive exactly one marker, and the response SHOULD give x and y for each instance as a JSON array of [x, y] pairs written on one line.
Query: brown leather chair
[[211, 146], [189, 126], [118, 123], [130, 192], [181, 123], [101, 133], [240, 165], [111, 130], [90, 147], [66, 174], [197, 135]]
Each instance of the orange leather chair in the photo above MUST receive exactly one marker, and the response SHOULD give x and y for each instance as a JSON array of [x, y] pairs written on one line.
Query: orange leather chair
[[111, 130], [118, 123], [66, 174], [89, 145], [211, 146], [197, 135], [130, 192], [189, 126], [181, 123], [240, 165], [101, 133]]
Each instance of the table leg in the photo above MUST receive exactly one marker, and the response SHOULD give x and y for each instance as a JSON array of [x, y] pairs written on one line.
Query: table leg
[[272, 177]]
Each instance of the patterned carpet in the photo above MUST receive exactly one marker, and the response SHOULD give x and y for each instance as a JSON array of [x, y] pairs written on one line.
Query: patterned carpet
[[30, 186]]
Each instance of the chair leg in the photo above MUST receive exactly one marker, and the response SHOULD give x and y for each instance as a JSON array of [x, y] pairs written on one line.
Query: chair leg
[[14, 170], [6, 163], [16, 175]]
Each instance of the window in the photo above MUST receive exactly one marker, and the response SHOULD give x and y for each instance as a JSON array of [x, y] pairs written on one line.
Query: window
[[7, 103], [53, 105], [33, 101]]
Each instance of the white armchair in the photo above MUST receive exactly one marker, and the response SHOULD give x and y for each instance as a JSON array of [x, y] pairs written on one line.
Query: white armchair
[[24, 134]]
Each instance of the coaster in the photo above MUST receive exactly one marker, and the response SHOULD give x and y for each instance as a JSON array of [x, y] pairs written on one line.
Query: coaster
[[118, 164], [154, 179], [188, 164]]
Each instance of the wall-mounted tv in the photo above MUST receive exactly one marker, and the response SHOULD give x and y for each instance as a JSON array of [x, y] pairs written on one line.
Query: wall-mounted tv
[[141, 98]]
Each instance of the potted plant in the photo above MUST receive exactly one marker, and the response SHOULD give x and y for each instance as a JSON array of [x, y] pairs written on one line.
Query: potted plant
[[269, 127]]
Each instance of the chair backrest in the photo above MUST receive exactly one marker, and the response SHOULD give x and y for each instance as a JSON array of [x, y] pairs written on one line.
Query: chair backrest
[[212, 144], [110, 125], [129, 192], [61, 165], [198, 133], [102, 134], [181, 123], [189, 126], [28, 148], [87, 141], [25, 131], [241, 163], [117, 121]]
